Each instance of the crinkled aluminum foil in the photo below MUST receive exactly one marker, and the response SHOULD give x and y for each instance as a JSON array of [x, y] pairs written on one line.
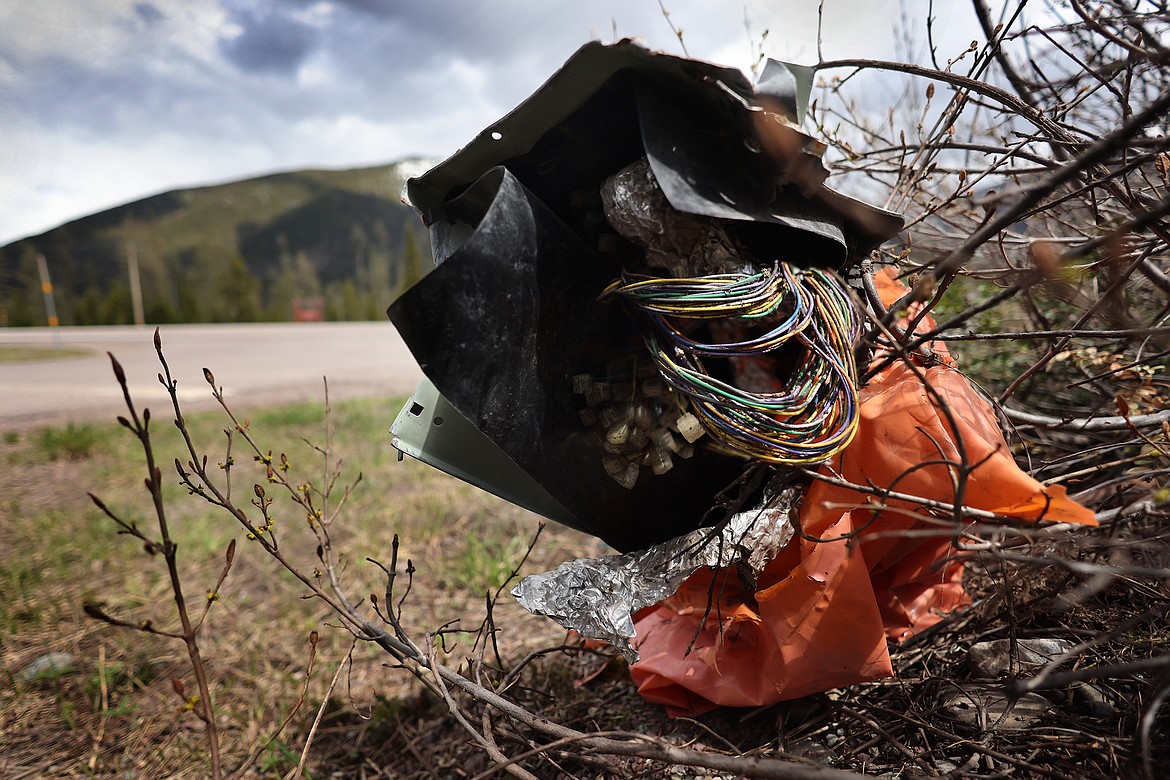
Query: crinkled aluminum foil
[[598, 596], [685, 245]]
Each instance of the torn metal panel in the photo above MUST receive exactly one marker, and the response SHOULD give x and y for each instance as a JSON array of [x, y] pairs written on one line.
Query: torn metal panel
[[706, 161], [564, 106], [786, 88], [611, 104]]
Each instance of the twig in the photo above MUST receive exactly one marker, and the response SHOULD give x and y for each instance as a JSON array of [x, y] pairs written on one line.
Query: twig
[[1087, 424], [139, 426], [251, 760], [1107, 672], [299, 771]]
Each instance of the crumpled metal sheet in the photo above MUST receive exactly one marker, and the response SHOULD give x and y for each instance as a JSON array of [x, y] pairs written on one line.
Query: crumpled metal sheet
[[598, 596], [611, 104]]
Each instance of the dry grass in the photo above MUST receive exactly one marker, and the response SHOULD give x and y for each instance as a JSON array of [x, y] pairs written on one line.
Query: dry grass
[[113, 708], [113, 711]]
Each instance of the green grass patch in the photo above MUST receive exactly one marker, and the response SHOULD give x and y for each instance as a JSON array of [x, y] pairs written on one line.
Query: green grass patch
[[307, 417], [484, 565], [11, 354], [74, 441]]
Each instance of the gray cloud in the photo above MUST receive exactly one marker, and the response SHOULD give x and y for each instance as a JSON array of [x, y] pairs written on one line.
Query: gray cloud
[[271, 41], [149, 14], [240, 87], [374, 7]]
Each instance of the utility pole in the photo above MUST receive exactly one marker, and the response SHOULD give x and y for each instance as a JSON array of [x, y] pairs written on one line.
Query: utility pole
[[50, 305], [135, 283]]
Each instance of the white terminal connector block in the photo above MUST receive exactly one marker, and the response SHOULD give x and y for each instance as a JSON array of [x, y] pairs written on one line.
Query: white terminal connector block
[[660, 461], [689, 426], [618, 433], [663, 439], [596, 393], [612, 449], [623, 471]]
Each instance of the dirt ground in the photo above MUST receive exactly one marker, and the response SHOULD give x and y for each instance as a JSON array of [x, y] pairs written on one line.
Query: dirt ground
[[82, 698]]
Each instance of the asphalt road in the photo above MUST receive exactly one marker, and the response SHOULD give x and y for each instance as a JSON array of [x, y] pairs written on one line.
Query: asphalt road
[[256, 364]]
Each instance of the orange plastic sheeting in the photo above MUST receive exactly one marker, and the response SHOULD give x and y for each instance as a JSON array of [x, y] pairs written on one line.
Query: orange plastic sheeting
[[821, 611], [905, 443], [795, 638]]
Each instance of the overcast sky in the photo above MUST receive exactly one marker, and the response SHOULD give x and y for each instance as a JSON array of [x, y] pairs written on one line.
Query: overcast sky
[[106, 101]]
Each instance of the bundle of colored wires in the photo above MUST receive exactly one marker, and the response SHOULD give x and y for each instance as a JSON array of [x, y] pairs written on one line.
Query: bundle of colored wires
[[815, 416]]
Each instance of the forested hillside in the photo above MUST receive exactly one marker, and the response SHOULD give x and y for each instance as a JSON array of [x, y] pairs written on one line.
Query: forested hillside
[[336, 242]]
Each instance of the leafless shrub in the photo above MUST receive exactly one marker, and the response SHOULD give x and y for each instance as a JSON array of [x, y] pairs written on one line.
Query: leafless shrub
[[1035, 173], [1033, 168]]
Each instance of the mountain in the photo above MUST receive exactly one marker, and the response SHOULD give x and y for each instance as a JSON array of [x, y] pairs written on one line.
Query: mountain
[[242, 251]]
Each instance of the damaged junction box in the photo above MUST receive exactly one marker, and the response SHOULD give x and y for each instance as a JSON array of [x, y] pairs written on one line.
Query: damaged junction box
[[546, 330]]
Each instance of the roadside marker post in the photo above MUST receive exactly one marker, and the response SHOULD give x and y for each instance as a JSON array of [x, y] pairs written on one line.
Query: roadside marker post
[[50, 305]]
